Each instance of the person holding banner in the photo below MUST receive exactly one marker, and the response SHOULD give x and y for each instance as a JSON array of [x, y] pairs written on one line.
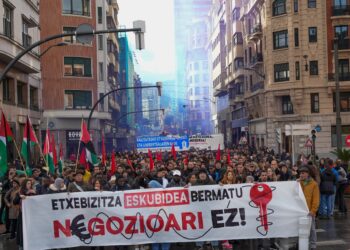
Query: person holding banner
[[312, 196]]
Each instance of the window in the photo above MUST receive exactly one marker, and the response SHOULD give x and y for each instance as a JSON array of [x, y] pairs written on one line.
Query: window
[[6, 90], [197, 104], [21, 94], [99, 15], [343, 67], [102, 103], [197, 91], [279, 7], [287, 106], [205, 65], [26, 38], [34, 102], [315, 103], [341, 31], [77, 99], [344, 101], [281, 72], [100, 42], [280, 39], [69, 39], [297, 71], [311, 3], [237, 39], [235, 14], [77, 66], [238, 62], [313, 68], [296, 37], [296, 6], [345, 131], [100, 71], [7, 20], [196, 78], [76, 7], [312, 34], [196, 66]]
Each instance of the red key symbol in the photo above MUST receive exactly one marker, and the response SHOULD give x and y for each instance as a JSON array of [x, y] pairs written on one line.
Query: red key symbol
[[261, 194]]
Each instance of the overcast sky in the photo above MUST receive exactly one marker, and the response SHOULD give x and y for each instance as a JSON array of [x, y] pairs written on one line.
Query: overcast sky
[[157, 61]]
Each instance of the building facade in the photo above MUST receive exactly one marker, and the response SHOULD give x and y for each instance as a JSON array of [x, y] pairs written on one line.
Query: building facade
[[276, 64], [75, 75], [185, 12], [197, 79], [20, 91], [338, 24]]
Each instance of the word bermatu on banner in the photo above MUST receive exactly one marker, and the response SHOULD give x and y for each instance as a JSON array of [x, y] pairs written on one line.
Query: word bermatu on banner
[[202, 213]]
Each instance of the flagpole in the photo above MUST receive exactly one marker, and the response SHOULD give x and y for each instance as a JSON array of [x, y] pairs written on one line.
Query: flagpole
[[76, 162], [20, 157], [40, 151]]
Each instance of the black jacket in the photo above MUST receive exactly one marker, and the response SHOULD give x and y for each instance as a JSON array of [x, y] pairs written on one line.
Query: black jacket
[[328, 181]]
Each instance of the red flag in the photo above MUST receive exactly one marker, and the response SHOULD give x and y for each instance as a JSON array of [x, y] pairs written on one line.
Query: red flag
[[186, 160], [113, 165], [104, 157], [159, 156], [151, 162], [173, 151], [53, 150], [130, 164], [218, 154], [82, 159], [228, 157]]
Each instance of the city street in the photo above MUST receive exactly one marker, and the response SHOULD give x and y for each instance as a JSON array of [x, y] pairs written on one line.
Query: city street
[[333, 234]]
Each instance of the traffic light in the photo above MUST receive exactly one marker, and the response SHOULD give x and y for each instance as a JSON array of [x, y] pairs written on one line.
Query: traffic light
[[278, 135]]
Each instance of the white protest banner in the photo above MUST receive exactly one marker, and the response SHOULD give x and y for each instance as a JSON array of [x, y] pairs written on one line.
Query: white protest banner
[[210, 142], [202, 213]]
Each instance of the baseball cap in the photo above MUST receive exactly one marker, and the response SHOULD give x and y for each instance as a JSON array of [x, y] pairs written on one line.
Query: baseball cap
[[177, 172]]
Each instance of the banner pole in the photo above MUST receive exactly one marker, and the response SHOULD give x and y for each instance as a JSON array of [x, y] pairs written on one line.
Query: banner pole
[[20, 157], [76, 162]]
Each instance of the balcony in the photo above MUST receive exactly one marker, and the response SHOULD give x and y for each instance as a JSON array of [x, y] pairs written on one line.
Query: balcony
[[255, 60], [343, 44], [341, 10], [257, 86], [342, 77], [255, 33]]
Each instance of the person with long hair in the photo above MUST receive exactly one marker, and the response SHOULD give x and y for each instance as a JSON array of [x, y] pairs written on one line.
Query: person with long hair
[[229, 178]]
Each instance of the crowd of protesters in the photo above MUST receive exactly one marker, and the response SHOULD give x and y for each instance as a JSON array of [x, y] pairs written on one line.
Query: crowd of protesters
[[323, 184]]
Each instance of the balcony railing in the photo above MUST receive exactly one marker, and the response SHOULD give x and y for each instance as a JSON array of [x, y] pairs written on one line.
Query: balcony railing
[[257, 86], [341, 10], [27, 40], [342, 77], [343, 44], [256, 59], [257, 28]]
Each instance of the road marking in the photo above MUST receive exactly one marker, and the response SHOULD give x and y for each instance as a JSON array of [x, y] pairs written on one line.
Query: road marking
[[320, 230], [331, 242]]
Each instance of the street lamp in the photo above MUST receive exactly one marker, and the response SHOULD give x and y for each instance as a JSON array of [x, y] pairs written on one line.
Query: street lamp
[[84, 32], [51, 46]]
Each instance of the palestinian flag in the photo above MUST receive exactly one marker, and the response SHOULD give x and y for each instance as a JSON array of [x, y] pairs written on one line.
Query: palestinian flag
[[91, 156], [61, 160], [47, 151], [53, 150], [5, 136], [104, 155], [29, 140]]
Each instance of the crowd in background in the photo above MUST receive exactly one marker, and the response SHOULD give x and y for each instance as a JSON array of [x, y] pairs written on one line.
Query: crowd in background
[[323, 183]]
